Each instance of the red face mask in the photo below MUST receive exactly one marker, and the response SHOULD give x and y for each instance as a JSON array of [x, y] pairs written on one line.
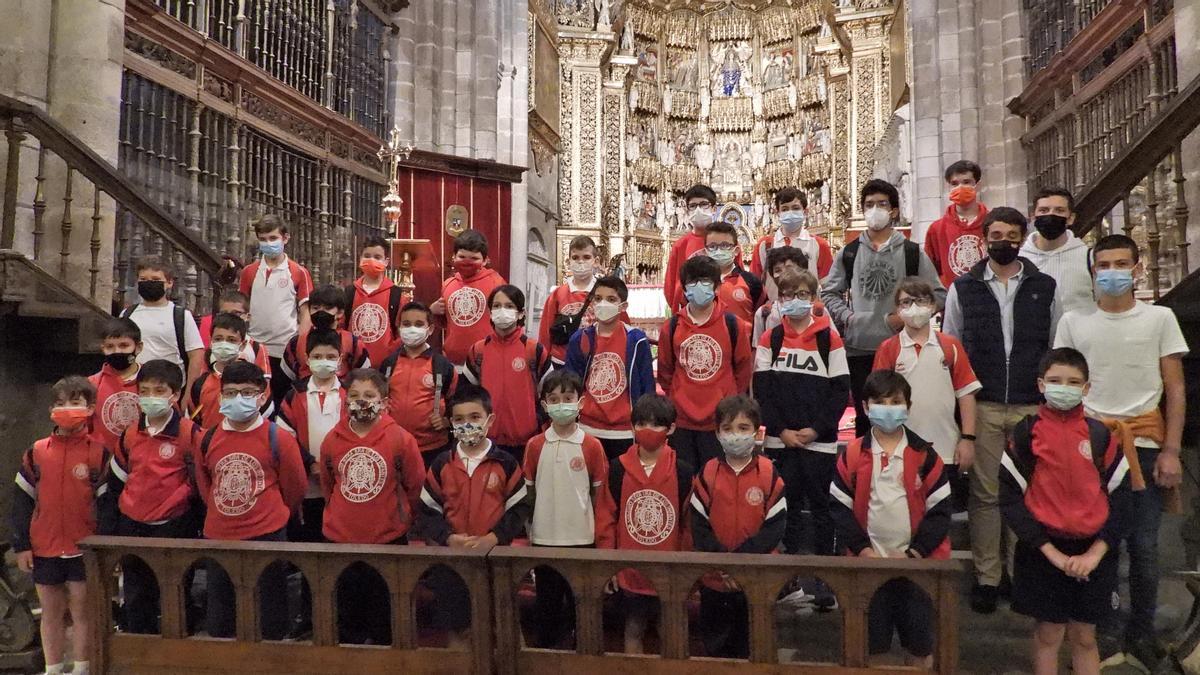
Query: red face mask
[[963, 195], [372, 267], [650, 439], [69, 418], [467, 268]]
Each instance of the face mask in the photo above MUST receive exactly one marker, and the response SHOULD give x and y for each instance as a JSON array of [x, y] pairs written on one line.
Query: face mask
[[1050, 226], [1114, 282], [365, 411], [795, 308], [737, 445], [504, 317], [888, 417], [469, 433], [225, 351], [606, 311], [792, 221], [581, 269], [701, 217], [963, 195], [650, 439], [563, 413], [1002, 252], [467, 268], [323, 320], [372, 267], [119, 361], [239, 408], [271, 249], [720, 256], [699, 294], [1063, 396], [414, 336], [916, 316], [323, 367], [154, 406], [68, 417], [152, 291], [878, 218]]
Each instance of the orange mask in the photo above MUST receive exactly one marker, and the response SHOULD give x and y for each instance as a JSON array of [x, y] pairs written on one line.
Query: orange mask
[[963, 195], [69, 418], [372, 267]]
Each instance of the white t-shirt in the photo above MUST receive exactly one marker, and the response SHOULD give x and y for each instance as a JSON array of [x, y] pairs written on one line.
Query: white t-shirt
[[158, 333], [888, 524], [1123, 351]]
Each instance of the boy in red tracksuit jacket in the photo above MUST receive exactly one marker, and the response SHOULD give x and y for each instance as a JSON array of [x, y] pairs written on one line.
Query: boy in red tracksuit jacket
[[701, 204], [510, 365], [420, 383], [737, 506], [474, 497], [116, 383], [252, 476], [890, 498], [374, 302], [955, 242], [740, 292], [643, 507], [568, 300], [463, 303], [326, 304], [152, 479], [704, 356], [371, 477], [1070, 509], [791, 208], [60, 481], [229, 344]]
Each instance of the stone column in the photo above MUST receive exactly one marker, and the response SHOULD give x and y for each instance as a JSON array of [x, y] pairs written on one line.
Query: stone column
[[403, 71], [615, 217], [1187, 57], [517, 142]]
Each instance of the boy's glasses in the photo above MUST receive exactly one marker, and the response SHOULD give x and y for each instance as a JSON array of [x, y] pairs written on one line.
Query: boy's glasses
[[244, 393], [919, 302], [799, 295]]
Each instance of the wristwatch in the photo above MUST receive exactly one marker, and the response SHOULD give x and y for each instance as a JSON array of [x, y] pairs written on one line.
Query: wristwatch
[[967, 437]]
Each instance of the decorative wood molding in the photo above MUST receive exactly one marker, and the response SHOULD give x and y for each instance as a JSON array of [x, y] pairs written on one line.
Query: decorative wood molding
[[464, 166]]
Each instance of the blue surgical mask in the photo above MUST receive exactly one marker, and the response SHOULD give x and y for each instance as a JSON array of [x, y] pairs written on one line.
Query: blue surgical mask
[[795, 307], [792, 221], [887, 417], [271, 249], [239, 408], [1114, 282], [1063, 396], [700, 293], [154, 406], [721, 256]]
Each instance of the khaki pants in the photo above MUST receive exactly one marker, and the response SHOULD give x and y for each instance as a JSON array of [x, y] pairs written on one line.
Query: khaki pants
[[994, 423]]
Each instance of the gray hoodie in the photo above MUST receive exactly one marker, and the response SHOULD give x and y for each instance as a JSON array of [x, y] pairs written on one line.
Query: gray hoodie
[[1068, 265], [872, 295]]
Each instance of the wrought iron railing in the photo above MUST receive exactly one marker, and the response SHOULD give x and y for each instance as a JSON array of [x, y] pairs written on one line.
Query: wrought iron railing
[[1053, 24]]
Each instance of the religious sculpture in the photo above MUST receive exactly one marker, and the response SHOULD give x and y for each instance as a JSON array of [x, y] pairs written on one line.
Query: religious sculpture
[[603, 15], [728, 74]]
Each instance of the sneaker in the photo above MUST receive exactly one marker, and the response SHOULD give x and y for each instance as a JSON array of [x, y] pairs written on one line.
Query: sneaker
[[983, 598], [825, 600], [1145, 654], [1111, 652]]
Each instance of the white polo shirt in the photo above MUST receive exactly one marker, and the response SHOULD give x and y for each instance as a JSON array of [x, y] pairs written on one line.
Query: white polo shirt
[[276, 294], [563, 484], [158, 333], [888, 524]]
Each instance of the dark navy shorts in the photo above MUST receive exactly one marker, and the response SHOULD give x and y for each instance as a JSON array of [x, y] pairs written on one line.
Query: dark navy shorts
[[56, 571]]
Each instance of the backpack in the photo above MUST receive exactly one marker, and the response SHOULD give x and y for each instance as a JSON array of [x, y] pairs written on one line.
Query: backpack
[[912, 259], [565, 325], [179, 315], [1098, 435], [854, 452], [753, 283], [822, 344], [395, 295], [272, 440]]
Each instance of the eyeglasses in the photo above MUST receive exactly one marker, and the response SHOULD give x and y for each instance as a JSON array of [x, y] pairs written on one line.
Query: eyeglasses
[[699, 205], [244, 393], [919, 302], [798, 295], [721, 247]]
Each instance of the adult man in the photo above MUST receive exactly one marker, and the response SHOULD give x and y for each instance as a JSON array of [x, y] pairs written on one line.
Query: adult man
[[867, 271], [1135, 353], [1004, 312], [1056, 250]]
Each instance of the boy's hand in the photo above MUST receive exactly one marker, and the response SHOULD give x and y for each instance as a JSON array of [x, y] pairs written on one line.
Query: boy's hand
[[436, 421], [458, 540], [1167, 470], [485, 541], [964, 454], [438, 307], [25, 561], [868, 552], [1055, 556]]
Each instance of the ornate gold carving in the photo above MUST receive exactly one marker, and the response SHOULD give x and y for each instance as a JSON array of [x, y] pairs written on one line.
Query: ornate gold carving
[[577, 14], [683, 29], [865, 77], [647, 97], [219, 87], [731, 114], [159, 54], [684, 104], [777, 103], [644, 22], [647, 172], [566, 167], [610, 215], [731, 23], [776, 25], [589, 127], [256, 106], [680, 177]]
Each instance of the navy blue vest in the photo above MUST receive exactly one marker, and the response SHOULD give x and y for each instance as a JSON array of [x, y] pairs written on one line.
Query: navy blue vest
[[1012, 380]]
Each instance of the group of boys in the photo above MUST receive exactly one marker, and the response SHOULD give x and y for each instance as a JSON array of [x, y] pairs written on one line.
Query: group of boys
[[280, 429]]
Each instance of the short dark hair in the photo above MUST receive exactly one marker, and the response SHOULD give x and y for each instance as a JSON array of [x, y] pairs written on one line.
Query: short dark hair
[[914, 286], [700, 268], [581, 242], [367, 375], [884, 383], [782, 254], [155, 264], [234, 295], [322, 338], [1055, 192], [790, 194], [511, 292], [878, 186], [269, 223], [699, 191], [1115, 242], [122, 328], [414, 306], [243, 372], [75, 386], [327, 295], [372, 242], [615, 283], [1064, 356], [473, 241], [964, 166], [562, 379], [1008, 215], [732, 406], [469, 393], [653, 409], [721, 227], [161, 370], [231, 322]]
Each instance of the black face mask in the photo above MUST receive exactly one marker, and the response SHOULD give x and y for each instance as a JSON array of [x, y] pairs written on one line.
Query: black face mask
[[120, 360], [1050, 226], [1003, 252], [322, 320], [152, 291]]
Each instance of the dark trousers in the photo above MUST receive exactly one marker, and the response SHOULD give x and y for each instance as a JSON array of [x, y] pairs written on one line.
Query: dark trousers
[[1142, 545], [724, 623], [272, 586], [280, 383], [615, 447], [451, 598], [695, 448], [860, 368], [363, 606], [308, 526], [140, 609], [806, 477]]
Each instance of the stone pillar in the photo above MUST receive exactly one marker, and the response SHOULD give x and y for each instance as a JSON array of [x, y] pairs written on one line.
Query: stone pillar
[[1187, 25], [517, 142], [404, 69], [615, 217]]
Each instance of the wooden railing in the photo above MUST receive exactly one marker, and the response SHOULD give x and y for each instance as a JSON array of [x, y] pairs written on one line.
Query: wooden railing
[[498, 582]]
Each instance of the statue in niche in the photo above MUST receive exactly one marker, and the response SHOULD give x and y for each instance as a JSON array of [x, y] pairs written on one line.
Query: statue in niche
[[647, 219], [758, 154], [730, 167], [704, 155], [648, 64], [685, 144], [627, 39], [683, 74], [633, 98], [666, 152], [666, 101], [633, 150], [728, 76], [778, 70], [603, 15], [704, 100]]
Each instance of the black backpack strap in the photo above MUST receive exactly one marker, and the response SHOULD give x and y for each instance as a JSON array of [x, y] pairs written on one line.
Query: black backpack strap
[[395, 295], [273, 441], [823, 347], [776, 342], [848, 255], [180, 317], [912, 258], [753, 283], [1099, 436], [731, 325], [207, 440], [1022, 433], [128, 311], [348, 293], [198, 388]]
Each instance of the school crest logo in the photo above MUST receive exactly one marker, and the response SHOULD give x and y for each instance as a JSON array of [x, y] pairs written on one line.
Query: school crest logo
[[119, 411], [369, 322], [166, 450], [1085, 449], [427, 380], [964, 253], [754, 496], [577, 464], [238, 480], [649, 517], [700, 356], [493, 482], [363, 473], [606, 379], [518, 364], [466, 306], [80, 471], [739, 295], [281, 281]]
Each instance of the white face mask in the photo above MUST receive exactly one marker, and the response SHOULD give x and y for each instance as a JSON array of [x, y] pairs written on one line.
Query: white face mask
[[916, 316], [878, 218], [504, 317], [605, 310], [581, 270], [414, 336], [701, 217]]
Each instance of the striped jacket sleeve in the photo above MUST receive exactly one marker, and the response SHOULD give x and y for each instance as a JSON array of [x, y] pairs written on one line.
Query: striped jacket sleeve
[[518, 505], [24, 502], [1016, 470], [432, 519], [841, 507], [703, 537], [770, 533], [935, 524]]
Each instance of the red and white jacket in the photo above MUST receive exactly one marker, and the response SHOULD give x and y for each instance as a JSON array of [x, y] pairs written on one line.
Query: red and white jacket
[[153, 477], [738, 511], [490, 498], [59, 483], [116, 405], [510, 368], [467, 316], [690, 244], [295, 356]]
